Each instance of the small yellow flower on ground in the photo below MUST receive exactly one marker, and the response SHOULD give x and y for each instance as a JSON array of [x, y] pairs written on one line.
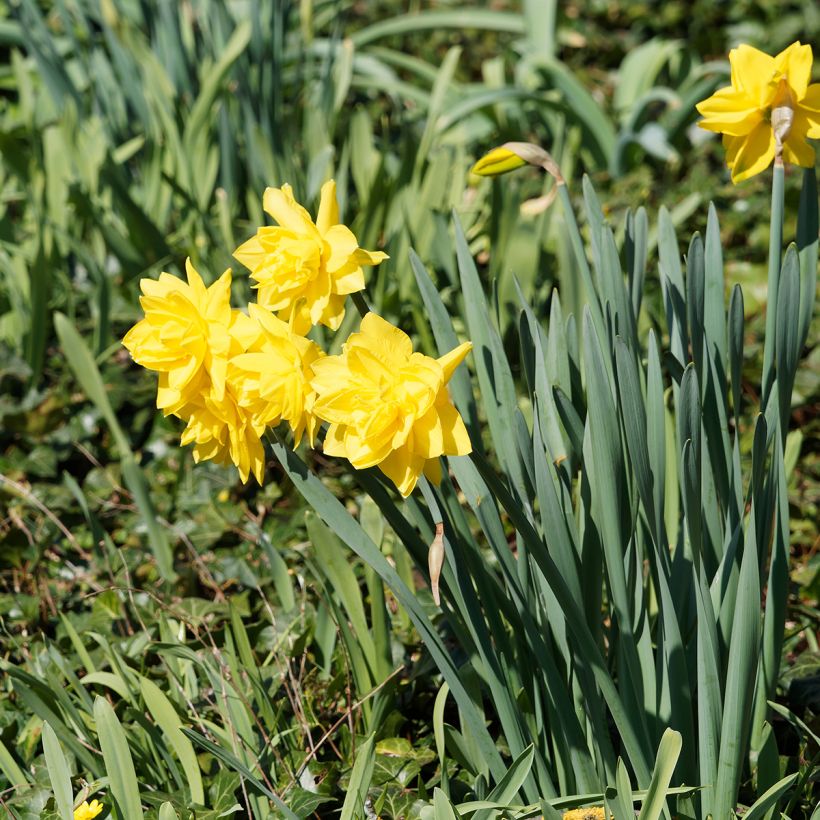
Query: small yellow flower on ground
[[305, 270], [389, 406], [769, 108], [88, 811]]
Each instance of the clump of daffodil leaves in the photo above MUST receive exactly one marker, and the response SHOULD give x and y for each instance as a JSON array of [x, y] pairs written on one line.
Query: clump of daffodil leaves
[[232, 374]]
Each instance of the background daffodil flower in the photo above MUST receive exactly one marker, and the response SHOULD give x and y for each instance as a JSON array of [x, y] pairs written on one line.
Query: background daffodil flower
[[769, 109], [305, 270], [388, 406]]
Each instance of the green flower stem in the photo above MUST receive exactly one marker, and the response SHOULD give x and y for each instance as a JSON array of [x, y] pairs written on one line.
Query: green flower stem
[[775, 253], [361, 303]]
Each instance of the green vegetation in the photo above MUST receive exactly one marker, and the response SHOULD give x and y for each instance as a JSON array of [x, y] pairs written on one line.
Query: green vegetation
[[179, 644]]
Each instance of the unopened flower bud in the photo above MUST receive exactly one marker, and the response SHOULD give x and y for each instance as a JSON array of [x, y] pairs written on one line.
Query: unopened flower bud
[[435, 561]]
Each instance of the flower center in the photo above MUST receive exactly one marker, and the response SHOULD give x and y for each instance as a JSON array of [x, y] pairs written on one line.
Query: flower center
[[782, 115]]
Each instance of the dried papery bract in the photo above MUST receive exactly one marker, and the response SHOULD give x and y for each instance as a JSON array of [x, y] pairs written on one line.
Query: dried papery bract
[[435, 561]]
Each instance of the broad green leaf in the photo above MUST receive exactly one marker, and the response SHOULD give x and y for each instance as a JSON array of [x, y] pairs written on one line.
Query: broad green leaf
[[654, 803], [356, 797], [118, 762], [165, 715], [58, 773]]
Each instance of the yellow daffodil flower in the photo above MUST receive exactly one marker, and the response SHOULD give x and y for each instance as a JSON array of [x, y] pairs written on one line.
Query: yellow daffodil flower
[[184, 336], [227, 433], [769, 110], [88, 811], [273, 377], [389, 406], [190, 335], [305, 270]]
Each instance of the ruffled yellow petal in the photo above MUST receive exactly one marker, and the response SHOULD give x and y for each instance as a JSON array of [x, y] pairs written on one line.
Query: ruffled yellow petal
[[403, 468], [751, 154], [281, 205], [304, 271], [328, 214], [810, 108], [752, 73], [388, 406], [388, 339], [450, 361], [794, 63], [432, 470], [728, 112]]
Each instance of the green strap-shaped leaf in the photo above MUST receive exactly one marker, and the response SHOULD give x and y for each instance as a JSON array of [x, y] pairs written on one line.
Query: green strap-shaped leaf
[[356, 797], [163, 712], [58, 773], [744, 650], [768, 800], [654, 803], [341, 522], [118, 763]]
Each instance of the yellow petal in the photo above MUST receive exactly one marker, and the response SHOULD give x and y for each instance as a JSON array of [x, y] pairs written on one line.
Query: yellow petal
[[498, 161], [334, 443], [328, 207], [450, 361], [342, 244], [456, 441], [751, 154], [391, 341], [752, 73], [728, 112], [428, 435], [194, 279], [432, 470], [810, 107], [795, 63], [403, 468], [798, 152], [251, 254], [281, 205]]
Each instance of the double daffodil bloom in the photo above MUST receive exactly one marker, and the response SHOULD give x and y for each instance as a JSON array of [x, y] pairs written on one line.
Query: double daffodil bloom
[[769, 110], [184, 336], [189, 336], [305, 270], [88, 811], [388, 406], [273, 377]]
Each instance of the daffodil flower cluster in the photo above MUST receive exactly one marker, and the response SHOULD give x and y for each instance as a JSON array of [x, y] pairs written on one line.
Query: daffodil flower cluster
[[230, 374]]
